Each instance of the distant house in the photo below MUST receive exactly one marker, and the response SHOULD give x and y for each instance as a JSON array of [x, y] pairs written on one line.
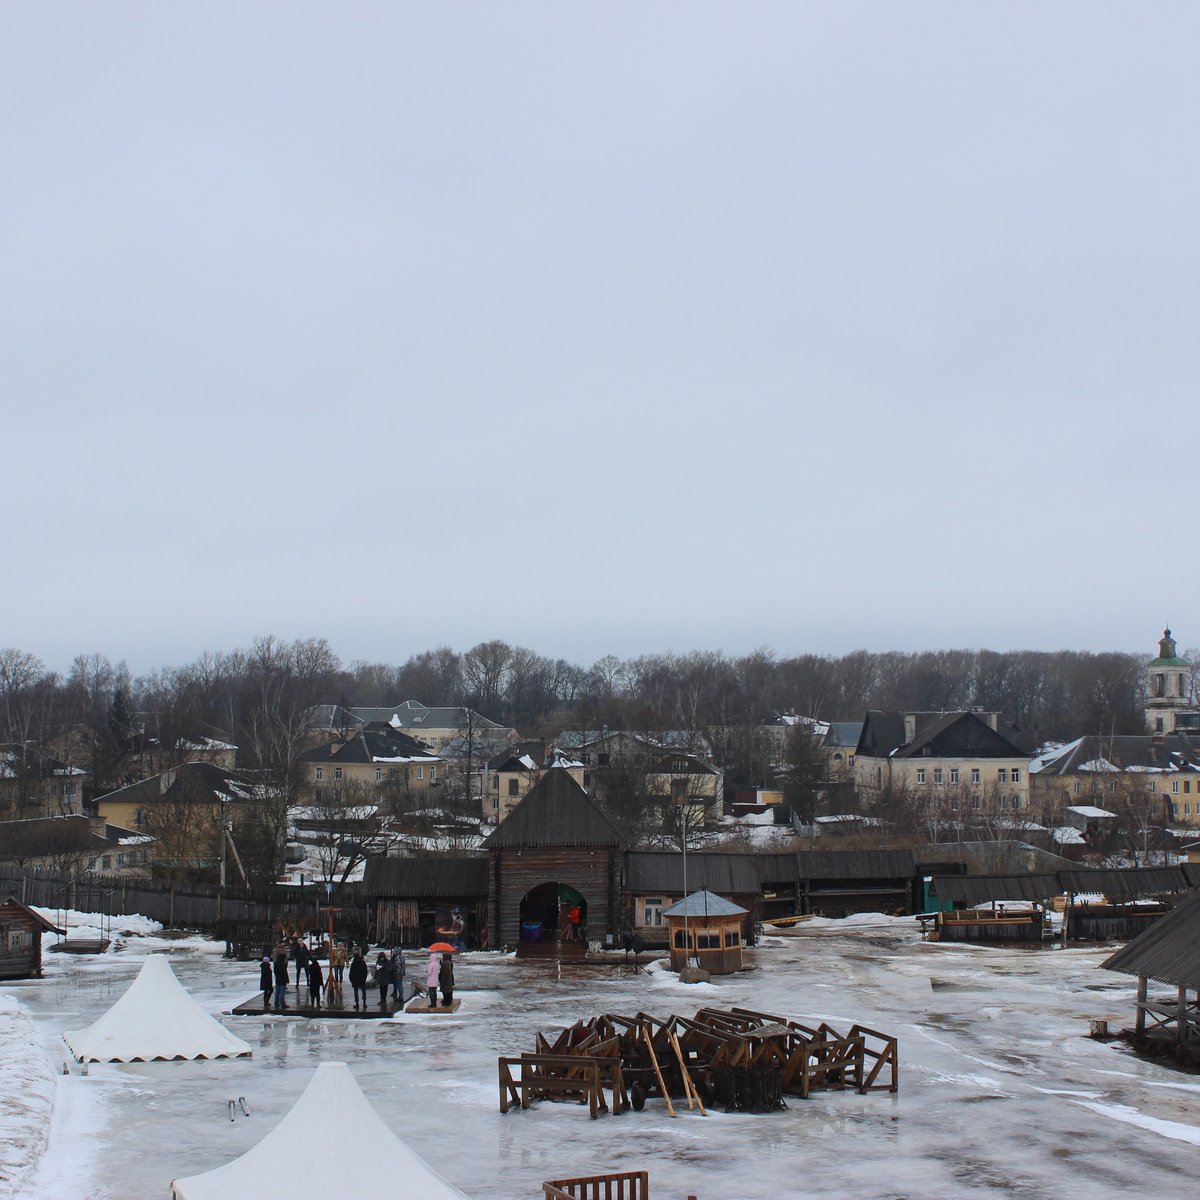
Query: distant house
[[35, 784], [433, 727], [511, 776], [184, 810], [1158, 774], [75, 844], [968, 759], [378, 759], [840, 745]]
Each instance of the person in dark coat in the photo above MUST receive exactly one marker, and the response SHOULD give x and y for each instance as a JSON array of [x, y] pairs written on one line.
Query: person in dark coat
[[281, 978], [396, 962], [301, 956], [266, 980], [446, 979], [383, 977], [358, 977], [316, 981]]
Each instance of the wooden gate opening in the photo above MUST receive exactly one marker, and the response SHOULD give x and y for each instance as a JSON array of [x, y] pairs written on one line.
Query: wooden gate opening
[[553, 912]]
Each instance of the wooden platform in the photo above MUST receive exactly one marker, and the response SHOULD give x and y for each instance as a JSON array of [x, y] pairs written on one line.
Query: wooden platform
[[254, 1008], [420, 1004]]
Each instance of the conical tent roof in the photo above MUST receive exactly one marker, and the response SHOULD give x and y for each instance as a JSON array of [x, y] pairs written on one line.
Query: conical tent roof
[[154, 1019], [332, 1124]]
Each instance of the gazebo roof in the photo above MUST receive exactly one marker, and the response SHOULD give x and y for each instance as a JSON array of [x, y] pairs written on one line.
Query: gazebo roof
[[704, 904]]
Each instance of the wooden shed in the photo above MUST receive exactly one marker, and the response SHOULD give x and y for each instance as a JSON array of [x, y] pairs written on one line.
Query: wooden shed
[[21, 930], [705, 930], [1168, 953]]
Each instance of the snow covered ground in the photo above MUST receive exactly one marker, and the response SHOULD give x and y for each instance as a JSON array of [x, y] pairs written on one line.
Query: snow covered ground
[[1001, 1090]]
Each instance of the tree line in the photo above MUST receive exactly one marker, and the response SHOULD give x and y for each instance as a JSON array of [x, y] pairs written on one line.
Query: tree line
[[257, 697]]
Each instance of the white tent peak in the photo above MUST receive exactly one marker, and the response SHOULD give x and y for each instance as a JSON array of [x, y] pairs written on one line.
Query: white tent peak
[[332, 1124], [154, 1019]]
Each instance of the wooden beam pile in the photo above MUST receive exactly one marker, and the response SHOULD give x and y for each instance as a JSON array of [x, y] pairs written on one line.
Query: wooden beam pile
[[737, 1058]]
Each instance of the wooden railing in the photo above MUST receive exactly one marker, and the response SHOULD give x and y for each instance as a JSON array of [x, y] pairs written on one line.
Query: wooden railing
[[624, 1185]]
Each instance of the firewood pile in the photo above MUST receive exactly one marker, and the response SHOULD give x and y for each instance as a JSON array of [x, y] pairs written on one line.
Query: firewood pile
[[735, 1059]]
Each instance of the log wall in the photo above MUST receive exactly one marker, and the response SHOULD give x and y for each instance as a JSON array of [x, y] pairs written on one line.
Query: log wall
[[594, 872]]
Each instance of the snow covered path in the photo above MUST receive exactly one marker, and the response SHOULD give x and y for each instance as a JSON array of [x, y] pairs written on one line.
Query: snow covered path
[[1001, 1090]]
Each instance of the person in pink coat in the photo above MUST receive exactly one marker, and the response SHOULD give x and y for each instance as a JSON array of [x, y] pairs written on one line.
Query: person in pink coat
[[431, 977]]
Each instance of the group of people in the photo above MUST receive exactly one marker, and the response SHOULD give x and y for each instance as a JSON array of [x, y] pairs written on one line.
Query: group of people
[[388, 973]]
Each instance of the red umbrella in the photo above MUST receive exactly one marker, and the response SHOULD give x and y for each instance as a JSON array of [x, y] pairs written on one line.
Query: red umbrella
[[441, 948]]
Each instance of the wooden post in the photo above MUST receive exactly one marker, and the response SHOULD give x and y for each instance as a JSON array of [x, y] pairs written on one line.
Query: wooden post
[[1141, 1005], [1181, 1023], [657, 1073]]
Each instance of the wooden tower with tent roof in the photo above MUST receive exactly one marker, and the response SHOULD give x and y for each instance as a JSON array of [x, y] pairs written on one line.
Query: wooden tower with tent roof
[[554, 867]]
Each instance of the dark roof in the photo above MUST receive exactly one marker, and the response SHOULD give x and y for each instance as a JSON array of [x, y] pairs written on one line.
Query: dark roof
[[556, 811], [13, 903], [979, 889], [1168, 951], [1166, 753], [433, 877], [855, 864], [662, 871], [195, 776], [844, 733], [1132, 883], [372, 743], [950, 734], [1191, 872]]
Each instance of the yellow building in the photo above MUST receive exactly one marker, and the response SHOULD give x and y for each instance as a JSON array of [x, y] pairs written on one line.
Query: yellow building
[[961, 756]]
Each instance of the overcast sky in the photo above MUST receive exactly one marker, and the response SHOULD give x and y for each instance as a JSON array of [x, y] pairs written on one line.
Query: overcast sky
[[598, 328]]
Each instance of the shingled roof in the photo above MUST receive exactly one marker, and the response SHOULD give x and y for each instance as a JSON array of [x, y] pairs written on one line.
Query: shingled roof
[[1169, 951], [440, 876], [555, 812]]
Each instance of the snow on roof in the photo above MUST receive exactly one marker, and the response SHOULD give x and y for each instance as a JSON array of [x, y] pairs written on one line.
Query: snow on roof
[[1099, 764], [1088, 810], [332, 1124], [154, 1019], [1068, 835], [1051, 752]]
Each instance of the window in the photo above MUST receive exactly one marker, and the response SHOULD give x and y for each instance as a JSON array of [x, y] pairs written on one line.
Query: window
[[974, 801], [1158, 724], [1175, 787], [106, 862], [652, 907], [953, 774], [680, 939], [320, 772], [91, 864], [495, 803], [1187, 808], [433, 774], [1001, 775], [678, 765], [1112, 785], [1016, 774], [920, 774], [1016, 802], [1187, 785], [393, 773], [420, 772], [514, 786], [937, 774], [1077, 787], [708, 941], [974, 774], [602, 760], [733, 937], [120, 858], [337, 772], [137, 818], [1152, 786], [850, 761], [378, 774]]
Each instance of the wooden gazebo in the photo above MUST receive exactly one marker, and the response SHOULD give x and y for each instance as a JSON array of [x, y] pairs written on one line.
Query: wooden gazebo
[[21, 929], [1169, 953], [705, 930]]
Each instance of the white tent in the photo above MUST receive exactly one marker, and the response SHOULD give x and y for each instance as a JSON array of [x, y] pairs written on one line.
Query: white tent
[[330, 1126], [156, 1018]]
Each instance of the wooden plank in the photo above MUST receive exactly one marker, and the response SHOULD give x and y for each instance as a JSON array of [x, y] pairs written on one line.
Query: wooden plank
[[657, 1072]]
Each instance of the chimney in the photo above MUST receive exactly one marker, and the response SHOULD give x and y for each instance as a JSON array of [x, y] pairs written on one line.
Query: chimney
[[98, 826], [910, 727]]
